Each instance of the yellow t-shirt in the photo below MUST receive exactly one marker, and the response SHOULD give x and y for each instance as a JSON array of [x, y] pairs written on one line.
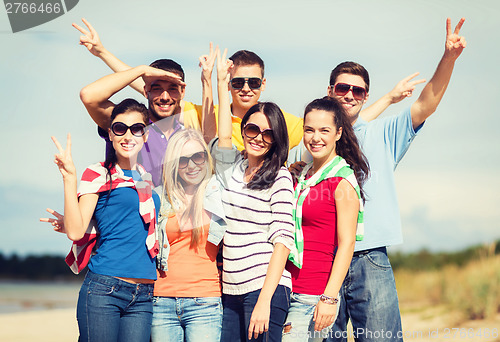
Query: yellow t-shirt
[[294, 125], [191, 115]]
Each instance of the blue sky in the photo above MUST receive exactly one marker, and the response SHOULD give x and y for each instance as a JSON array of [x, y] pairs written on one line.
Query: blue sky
[[447, 183]]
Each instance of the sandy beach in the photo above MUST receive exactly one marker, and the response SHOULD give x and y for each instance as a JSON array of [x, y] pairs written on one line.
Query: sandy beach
[[57, 325], [38, 311]]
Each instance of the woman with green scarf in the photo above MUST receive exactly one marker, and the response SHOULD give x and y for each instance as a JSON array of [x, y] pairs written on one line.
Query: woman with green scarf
[[328, 220]]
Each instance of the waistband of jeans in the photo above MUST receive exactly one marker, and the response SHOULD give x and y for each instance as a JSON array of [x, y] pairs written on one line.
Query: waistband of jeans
[[112, 281], [367, 251]]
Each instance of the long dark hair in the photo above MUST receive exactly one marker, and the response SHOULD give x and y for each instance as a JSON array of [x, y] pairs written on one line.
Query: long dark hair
[[277, 155], [127, 105], [347, 146]]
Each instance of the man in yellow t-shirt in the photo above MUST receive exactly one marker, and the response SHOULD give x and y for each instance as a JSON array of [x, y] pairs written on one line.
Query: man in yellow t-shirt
[[246, 84]]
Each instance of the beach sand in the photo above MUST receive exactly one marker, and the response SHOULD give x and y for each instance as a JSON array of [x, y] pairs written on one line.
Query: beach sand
[[58, 325]]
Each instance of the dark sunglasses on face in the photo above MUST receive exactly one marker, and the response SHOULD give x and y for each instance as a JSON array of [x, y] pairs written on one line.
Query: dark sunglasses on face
[[359, 93], [137, 129], [239, 82], [199, 158], [251, 131]]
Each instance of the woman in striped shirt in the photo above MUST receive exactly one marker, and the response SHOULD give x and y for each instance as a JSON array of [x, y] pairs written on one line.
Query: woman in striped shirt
[[257, 198]]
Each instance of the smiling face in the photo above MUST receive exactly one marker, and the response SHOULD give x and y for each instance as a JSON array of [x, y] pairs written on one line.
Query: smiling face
[[164, 99], [256, 147], [245, 98], [321, 136], [352, 105], [195, 171], [127, 146]]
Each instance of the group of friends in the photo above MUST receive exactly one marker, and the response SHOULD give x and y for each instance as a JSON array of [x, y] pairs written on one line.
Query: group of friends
[[239, 221]]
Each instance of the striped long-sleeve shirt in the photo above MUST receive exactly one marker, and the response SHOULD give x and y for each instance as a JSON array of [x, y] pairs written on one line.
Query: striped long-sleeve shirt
[[257, 220]]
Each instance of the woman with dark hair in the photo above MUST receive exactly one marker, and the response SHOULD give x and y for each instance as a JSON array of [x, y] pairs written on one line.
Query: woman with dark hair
[[328, 219], [113, 211], [257, 198]]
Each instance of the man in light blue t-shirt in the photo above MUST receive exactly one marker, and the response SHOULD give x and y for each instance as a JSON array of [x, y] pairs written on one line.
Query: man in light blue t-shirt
[[368, 295]]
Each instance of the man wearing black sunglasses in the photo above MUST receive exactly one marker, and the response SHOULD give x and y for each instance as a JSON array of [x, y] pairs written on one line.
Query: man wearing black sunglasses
[[246, 84], [368, 295]]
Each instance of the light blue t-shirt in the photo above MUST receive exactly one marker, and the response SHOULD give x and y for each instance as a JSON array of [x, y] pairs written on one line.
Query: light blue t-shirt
[[122, 250], [384, 142]]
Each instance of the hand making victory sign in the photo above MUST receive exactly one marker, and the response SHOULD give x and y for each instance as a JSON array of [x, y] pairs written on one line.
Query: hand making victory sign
[[90, 38], [455, 43], [63, 159]]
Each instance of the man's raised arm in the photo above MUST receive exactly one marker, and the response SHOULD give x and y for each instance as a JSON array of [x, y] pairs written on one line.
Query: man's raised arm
[[96, 95], [433, 92]]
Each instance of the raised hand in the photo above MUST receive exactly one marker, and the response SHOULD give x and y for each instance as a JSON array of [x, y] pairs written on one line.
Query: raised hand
[[90, 38], [151, 74], [404, 88], [63, 158], [455, 43], [207, 63], [223, 67], [57, 223]]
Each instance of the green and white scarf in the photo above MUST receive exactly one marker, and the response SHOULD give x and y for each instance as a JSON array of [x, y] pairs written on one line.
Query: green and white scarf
[[338, 167]]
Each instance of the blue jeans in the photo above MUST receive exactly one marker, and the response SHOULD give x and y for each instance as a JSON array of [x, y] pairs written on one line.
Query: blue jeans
[[186, 319], [369, 300], [110, 309], [299, 325], [238, 311]]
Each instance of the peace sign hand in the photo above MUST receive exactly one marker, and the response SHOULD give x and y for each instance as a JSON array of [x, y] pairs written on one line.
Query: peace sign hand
[[90, 38], [207, 63], [63, 158], [454, 42], [223, 67], [57, 223], [404, 88]]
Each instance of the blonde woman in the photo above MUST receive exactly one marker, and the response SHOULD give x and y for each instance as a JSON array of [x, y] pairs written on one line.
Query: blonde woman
[[187, 296]]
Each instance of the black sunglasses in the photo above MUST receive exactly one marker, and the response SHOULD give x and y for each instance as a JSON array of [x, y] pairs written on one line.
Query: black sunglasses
[[251, 131], [359, 93], [137, 129], [239, 82], [199, 158]]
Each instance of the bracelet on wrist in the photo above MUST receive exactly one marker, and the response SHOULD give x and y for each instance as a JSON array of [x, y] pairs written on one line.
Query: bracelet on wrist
[[328, 300]]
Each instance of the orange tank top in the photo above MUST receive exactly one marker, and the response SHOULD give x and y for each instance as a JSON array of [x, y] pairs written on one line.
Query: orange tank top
[[192, 272]]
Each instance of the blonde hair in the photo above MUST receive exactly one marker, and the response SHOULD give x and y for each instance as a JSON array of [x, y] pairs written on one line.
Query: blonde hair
[[173, 188]]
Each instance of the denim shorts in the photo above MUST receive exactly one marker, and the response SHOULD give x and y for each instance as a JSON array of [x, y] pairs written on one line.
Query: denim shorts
[[299, 324], [110, 309], [189, 319]]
